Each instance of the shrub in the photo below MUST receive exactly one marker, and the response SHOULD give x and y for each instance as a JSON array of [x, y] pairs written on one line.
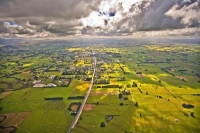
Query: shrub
[[136, 104], [125, 98], [120, 95], [192, 114], [102, 124]]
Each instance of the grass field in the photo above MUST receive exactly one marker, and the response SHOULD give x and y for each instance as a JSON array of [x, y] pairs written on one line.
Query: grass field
[[45, 116], [153, 114], [166, 76]]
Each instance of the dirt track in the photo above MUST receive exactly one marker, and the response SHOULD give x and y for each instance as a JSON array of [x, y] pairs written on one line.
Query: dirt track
[[88, 107], [14, 119], [4, 94]]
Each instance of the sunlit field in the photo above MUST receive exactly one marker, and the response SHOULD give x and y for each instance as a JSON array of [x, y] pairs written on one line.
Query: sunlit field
[[137, 88]]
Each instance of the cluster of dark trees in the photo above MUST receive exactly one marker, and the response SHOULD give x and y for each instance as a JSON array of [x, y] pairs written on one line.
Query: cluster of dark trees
[[195, 94], [158, 96], [155, 62], [191, 114], [75, 97], [11, 74], [68, 73], [140, 90], [98, 103], [81, 72], [164, 69], [52, 70], [53, 98], [109, 118], [122, 79], [123, 70], [109, 86], [134, 84], [185, 105], [11, 85], [138, 72], [122, 104], [182, 70], [102, 82], [198, 75], [124, 92], [88, 79], [126, 72], [2, 65], [128, 86]]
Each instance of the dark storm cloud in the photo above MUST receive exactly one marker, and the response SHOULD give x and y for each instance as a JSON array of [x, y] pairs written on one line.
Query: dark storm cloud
[[152, 19], [66, 9], [153, 16], [2, 28], [189, 14], [64, 17], [160, 15], [170, 23], [56, 16]]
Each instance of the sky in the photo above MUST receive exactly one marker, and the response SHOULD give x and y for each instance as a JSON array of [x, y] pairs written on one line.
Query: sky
[[103, 18]]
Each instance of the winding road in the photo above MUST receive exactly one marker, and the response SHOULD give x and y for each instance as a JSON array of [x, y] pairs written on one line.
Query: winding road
[[84, 100]]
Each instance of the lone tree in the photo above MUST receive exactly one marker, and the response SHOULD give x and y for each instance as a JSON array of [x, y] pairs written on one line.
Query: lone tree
[[192, 114], [136, 104], [120, 95], [102, 124]]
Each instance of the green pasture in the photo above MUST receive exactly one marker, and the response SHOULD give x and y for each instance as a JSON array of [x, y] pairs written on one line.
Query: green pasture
[[157, 114], [46, 116], [159, 95], [24, 75]]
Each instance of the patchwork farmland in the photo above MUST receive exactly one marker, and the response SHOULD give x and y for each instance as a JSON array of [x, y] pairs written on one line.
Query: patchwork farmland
[[148, 87]]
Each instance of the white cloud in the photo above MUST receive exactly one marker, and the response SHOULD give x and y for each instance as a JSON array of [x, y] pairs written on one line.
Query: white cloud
[[47, 18], [189, 15]]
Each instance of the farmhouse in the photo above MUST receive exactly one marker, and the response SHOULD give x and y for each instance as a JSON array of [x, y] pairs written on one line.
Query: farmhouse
[[43, 85], [51, 85], [39, 85], [51, 76], [37, 81]]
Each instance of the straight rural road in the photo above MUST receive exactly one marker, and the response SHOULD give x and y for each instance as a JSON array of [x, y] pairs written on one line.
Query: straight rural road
[[84, 100]]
